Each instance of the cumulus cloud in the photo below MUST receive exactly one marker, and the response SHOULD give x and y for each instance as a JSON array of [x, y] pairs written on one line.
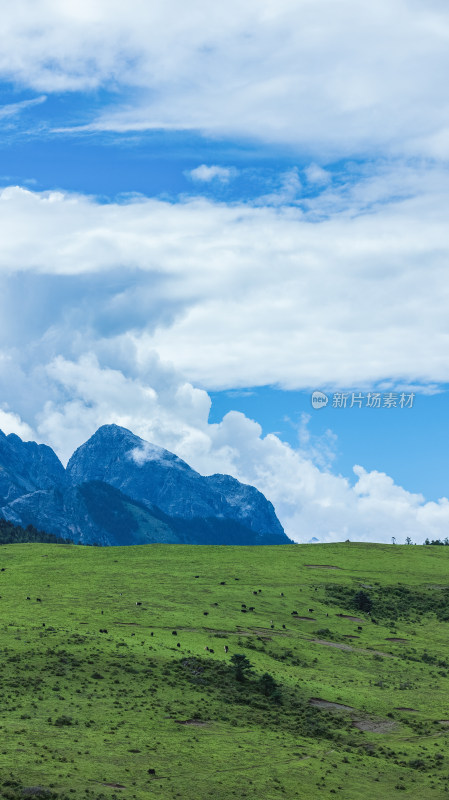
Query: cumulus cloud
[[317, 175], [206, 174], [347, 288], [331, 78], [11, 423]]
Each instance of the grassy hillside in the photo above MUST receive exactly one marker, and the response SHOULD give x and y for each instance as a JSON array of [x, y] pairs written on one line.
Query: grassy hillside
[[107, 689]]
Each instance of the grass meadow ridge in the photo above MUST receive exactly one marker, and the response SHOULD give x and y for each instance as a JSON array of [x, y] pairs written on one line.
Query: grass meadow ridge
[[175, 671]]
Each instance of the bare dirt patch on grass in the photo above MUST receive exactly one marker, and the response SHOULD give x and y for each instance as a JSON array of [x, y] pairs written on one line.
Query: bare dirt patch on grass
[[404, 708], [115, 785], [337, 645], [394, 639], [239, 632], [375, 726], [318, 702], [363, 724], [196, 723], [348, 616], [322, 566], [306, 619]]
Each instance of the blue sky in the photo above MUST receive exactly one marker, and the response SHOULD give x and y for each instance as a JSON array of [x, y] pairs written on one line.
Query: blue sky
[[381, 439], [208, 214]]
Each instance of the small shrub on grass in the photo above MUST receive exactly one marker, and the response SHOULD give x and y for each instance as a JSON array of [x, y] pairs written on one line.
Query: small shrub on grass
[[63, 720]]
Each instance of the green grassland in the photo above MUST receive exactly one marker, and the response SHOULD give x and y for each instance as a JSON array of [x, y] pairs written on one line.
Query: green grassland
[[128, 713]]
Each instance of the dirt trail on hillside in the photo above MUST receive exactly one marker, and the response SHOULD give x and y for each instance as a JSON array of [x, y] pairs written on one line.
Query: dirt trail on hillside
[[340, 646], [318, 702], [337, 645]]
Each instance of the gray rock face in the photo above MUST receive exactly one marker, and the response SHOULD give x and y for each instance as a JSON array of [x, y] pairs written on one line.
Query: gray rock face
[[156, 477], [119, 489], [90, 513], [25, 467]]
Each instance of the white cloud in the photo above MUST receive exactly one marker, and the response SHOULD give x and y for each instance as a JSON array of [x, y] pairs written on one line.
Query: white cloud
[[206, 174], [347, 289], [332, 78], [287, 192], [320, 450], [317, 175], [12, 109], [11, 423]]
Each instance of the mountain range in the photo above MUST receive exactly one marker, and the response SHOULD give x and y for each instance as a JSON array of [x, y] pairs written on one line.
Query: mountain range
[[118, 489]]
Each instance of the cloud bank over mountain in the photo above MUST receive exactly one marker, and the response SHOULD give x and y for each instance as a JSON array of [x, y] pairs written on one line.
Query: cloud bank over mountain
[[330, 273], [308, 498]]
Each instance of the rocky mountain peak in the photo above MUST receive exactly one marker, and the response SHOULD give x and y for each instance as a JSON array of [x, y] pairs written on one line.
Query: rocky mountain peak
[[27, 466], [152, 484]]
